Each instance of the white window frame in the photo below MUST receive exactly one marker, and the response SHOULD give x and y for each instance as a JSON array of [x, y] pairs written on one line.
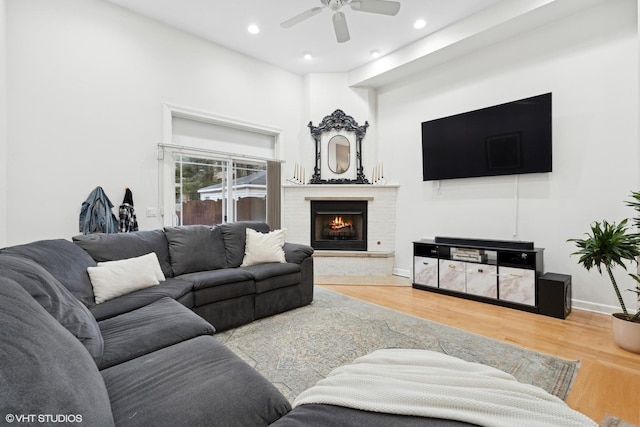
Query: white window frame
[[166, 190]]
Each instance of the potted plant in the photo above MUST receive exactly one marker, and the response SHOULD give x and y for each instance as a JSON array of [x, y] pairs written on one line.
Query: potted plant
[[608, 245], [635, 204]]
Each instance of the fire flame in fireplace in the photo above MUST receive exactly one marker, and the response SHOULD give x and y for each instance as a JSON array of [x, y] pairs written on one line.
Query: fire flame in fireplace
[[338, 223]]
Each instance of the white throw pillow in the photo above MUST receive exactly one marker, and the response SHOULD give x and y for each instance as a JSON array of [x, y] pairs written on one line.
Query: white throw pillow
[[148, 261], [261, 248], [114, 278]]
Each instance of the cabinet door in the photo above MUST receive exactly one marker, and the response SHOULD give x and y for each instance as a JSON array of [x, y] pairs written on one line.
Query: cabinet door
[[425, 271], [482, 280], [452, 275], [517, 285]]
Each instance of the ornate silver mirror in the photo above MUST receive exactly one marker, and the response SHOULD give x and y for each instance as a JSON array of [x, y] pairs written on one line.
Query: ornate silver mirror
[[338, 140]]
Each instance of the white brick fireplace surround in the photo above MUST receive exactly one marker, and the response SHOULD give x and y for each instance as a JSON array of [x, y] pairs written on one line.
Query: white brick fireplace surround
[[378, 259]]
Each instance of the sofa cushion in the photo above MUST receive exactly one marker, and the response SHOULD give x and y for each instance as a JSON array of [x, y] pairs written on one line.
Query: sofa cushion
[[65, 261], [261, 248], [235, 237], [43, 368], [218, 285], [112, 247], [198, 382], [222, 292], [55, 299], [206, 279], [115, 278], [173, 288], [274, 275], [195, 248], [262, 272], [160, 324]]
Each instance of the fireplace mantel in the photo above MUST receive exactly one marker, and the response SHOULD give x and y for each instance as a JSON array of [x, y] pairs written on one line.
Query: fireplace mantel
[[381, 225]]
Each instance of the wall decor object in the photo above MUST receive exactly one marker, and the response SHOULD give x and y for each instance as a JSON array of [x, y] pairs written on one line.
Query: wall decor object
[[338, 140]]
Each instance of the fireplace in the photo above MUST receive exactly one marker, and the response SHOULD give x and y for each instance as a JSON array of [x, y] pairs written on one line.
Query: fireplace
[[339, 225]]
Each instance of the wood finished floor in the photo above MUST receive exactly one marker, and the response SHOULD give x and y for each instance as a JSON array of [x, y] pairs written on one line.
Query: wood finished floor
[[608, 381]]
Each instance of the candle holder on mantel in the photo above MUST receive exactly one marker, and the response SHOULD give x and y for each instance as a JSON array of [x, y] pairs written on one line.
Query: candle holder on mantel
[[377, 175], [298, 175]]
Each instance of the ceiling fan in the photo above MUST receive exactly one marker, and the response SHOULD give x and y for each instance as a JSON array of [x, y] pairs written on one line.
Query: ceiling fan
[[383, 7]]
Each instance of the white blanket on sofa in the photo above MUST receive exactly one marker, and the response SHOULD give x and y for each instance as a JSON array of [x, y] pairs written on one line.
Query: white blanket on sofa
[[431, 384]]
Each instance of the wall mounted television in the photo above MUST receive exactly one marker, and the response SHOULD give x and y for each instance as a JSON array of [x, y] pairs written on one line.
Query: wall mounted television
[[506, 139]]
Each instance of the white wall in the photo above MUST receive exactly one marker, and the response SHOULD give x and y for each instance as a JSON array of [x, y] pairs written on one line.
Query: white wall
[[3, 124], [87, 81], [589, 62], [326, 92]]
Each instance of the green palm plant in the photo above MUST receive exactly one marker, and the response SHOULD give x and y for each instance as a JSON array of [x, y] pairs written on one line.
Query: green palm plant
[[636, 317], [608, 245], [635, 204]]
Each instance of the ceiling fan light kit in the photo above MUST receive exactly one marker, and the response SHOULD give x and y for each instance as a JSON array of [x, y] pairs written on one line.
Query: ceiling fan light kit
[[381, 7]]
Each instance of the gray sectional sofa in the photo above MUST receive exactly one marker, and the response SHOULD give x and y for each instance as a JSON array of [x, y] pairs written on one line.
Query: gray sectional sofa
[[147, 357]]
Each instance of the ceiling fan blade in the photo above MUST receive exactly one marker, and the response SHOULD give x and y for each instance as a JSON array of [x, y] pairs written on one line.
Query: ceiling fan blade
[[384, 7], [301, 17], [340, 27]]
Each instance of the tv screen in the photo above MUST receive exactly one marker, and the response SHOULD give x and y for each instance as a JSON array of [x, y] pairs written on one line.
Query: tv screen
[[505, 139]]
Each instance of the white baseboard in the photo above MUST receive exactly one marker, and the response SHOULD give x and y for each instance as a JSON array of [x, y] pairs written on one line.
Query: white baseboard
[[576, 304], [593, 307], [402, 273]]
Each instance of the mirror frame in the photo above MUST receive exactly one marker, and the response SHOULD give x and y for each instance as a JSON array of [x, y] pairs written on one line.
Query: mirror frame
[[338, 121]]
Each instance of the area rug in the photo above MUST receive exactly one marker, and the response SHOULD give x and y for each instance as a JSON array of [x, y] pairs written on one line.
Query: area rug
[[297, 348]]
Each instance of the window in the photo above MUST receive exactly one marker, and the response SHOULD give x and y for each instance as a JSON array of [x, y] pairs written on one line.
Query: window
[[214, 170], [212, 191]]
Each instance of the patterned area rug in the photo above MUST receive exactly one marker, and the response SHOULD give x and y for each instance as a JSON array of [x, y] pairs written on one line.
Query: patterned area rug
[[297, 348]]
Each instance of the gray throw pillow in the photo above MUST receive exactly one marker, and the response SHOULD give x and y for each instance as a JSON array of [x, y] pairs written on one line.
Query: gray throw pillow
[[56, 300], [113, 247], [235, 238], [195, 248]]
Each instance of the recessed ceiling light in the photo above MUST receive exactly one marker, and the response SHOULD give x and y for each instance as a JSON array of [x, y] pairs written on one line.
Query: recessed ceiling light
[[253, 29], [420, 23], [308, 56], [375, 53]]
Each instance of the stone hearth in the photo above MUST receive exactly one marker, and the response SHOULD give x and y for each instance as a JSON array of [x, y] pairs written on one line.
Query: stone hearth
[[378, 258]]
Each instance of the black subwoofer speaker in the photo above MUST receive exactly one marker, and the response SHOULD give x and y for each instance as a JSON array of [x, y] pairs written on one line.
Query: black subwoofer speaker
[[554, 295]]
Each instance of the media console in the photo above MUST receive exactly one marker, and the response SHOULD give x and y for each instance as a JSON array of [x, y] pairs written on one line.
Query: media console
[[498, 272]]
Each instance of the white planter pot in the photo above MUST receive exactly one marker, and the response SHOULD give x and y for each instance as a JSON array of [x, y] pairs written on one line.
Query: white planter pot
[[626, 334]]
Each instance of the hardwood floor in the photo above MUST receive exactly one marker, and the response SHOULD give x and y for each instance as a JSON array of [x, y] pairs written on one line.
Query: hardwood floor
[[608, 381]]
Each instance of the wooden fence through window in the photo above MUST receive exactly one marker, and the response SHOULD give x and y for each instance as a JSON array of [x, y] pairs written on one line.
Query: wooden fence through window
[[209, 212]]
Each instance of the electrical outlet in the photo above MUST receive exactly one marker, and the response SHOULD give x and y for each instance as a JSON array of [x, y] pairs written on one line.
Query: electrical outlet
[[152, 212]]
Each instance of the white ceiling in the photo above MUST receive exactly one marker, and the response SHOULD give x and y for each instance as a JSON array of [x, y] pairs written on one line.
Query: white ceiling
[[225, 22]]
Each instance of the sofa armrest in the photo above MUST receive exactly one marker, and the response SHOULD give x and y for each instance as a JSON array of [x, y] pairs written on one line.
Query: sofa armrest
[[296, 252]]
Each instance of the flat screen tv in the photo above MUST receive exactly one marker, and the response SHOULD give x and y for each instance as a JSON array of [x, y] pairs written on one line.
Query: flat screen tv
[[505, 139]]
